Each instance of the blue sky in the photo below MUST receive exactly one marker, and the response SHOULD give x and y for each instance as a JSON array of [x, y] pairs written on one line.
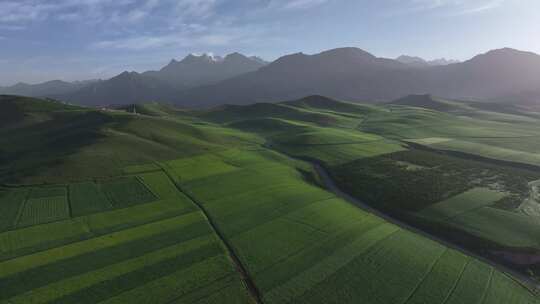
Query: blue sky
[[85, 39]]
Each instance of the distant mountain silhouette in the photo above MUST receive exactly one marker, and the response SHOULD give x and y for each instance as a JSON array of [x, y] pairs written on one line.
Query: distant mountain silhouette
[[203, 70], [355, 75], [45, 89], [163, 85], [490, 76], [346, 74], [126, 88]]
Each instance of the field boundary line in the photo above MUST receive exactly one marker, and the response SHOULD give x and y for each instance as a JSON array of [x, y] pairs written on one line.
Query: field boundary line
[[430, 270], [328, 238], [314, 273], [280, 217], [68, 199], [488, 287], [532, 286], [21, 210], [91, 233], [140, 180], [451, 292], [225, 277], [241, 269]]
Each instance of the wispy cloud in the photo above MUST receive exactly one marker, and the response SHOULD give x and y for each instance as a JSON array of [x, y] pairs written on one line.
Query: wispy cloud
[[20, 12], [223, 37], [295, 4], [482, 7], [198, 24], [196, 8], [446, 7]]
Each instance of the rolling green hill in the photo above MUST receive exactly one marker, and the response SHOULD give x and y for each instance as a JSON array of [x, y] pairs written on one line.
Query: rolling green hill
[[226, 206]]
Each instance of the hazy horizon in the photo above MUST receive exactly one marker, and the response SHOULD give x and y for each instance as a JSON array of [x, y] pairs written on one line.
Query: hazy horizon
[[90, 39], [167, 61]]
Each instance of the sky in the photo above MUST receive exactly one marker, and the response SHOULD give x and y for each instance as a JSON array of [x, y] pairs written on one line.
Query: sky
[[88, 39]]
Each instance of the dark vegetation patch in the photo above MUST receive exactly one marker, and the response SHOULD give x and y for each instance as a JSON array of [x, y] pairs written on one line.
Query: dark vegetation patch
[[46, 144], [10, 114], [16, 108], [10, 204], [87, 198], [125, 192], [387, 182]]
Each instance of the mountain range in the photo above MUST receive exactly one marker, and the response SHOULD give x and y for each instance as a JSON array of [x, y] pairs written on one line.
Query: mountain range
[[132, 87], [195, 70], [355, 75], [345, 73], [418, 62], [49, 88]]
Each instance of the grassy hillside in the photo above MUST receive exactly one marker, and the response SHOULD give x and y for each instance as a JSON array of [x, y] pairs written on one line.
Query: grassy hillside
[[405, 159], [209, 207], [17, 110]]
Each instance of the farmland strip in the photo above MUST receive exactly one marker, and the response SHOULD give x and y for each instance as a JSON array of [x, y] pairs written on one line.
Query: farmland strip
[[456, 283], [53, 255], [147, 274], [432, 266], [216, 288], [69, 287], [178, 284], [112, 253], [486, 291], [270, 277], [32, 239], [252, 288], [309, 278]]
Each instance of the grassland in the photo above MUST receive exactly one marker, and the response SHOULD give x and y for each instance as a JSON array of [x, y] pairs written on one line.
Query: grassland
[[177, 206], [87, 198]]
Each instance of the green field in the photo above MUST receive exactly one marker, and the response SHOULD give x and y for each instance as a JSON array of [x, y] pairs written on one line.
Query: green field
[[465, 202], [315, 242], [125, 192], [87, 198], [225, 206], [43, 210], [11, 202]]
